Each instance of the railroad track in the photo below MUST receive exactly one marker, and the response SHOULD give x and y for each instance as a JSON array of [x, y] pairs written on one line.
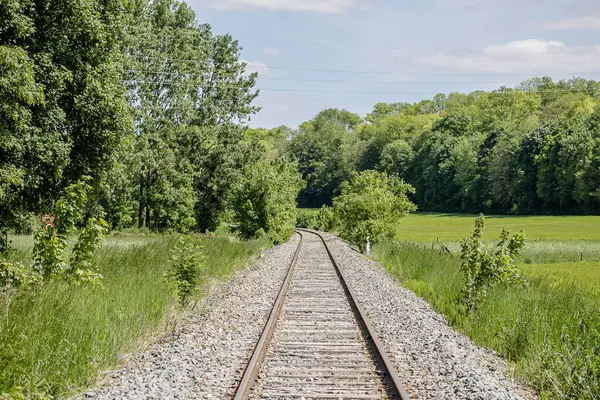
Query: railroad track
[[317, 342]]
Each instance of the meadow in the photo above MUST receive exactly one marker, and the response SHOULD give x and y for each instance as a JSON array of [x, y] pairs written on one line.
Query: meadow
[[58, 340], [548, 329]]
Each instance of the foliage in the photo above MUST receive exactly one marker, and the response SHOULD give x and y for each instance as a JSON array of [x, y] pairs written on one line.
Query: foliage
[[186, 265], [482, 269], [327, 152], [265, 199], [533, 149], [187, 152], [135, 94], [63, 111], [371, 205], [50, 250], [16, 275], [325, 219], [305, 219]]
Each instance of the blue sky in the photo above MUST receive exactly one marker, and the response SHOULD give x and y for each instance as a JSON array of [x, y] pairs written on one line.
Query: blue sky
[[399, 50]]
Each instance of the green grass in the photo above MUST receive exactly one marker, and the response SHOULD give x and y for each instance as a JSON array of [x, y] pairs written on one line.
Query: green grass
[[424, 227], [555, 245], [58, 340], [550, 329], [583, 275]]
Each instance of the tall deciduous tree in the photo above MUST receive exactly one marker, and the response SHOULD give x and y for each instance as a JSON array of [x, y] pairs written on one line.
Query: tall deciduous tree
[[63, 109], [189, 91], [264, 201]]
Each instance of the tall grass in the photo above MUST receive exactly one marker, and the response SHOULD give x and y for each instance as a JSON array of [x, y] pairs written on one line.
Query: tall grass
[[57, 340], [551, 332]]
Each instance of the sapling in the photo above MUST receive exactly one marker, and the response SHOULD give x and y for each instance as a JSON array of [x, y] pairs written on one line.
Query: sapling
[[482, 269], [186, 266]]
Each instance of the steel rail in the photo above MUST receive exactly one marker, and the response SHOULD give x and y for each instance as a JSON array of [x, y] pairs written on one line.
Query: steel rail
[[386, 366], [253, 367]]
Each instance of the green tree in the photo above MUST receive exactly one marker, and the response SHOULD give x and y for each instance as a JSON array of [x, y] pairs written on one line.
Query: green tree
[[396, 158], [189, 91], [435, 170], [343, 118], [382, 110], [264, 201], [371, 205], [326, 156], [325, 219], [64, 110]]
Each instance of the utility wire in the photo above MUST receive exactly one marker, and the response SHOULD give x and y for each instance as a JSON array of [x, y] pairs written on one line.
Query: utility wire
[[175, 60], [186, 75], [218, 86], [484, 51]]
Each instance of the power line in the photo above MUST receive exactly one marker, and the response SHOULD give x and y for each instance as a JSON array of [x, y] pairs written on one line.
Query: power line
[[172, 60], [485, 51], [180, 84], [317, 80]]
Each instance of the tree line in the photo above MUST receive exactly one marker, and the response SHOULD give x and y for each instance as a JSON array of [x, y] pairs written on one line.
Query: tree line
[[149, 106], [533, 149]]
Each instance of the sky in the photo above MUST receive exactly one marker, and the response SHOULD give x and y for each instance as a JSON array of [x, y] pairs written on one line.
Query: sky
[[316, 54]]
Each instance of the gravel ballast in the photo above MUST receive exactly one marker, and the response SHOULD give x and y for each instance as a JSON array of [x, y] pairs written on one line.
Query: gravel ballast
[[207, 356], [432, 360]]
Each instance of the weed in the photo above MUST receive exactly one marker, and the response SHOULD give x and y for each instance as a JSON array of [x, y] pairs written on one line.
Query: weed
[[483, 269], [186, 265]]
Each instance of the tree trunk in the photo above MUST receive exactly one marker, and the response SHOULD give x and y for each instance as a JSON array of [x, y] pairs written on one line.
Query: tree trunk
[[148, 183], [3, 241], [141, 203]]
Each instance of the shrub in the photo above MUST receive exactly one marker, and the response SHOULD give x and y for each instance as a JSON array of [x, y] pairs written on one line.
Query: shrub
[[50, 250], [325, 220], [305, 219], [51, 258], [482, 269], [186, 266], [371, 205], [265, 198]]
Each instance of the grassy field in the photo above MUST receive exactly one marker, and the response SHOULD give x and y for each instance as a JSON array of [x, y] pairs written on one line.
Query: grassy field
[[550, 329], [56, 341], [424, 227]]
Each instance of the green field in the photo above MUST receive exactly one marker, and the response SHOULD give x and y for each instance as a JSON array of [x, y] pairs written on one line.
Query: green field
[[548, 329], [556, 245], [425, 227]]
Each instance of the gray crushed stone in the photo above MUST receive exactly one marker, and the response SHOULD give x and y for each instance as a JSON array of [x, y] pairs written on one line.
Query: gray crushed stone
[[432, 360], [206, 357]]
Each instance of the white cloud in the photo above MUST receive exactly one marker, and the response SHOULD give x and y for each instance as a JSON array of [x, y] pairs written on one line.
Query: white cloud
[[271, 51], [256, 66], [323, 6], [570, 24], [522, 56]]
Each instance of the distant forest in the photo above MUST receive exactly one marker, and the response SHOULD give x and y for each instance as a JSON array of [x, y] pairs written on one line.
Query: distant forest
[[534, 149]]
